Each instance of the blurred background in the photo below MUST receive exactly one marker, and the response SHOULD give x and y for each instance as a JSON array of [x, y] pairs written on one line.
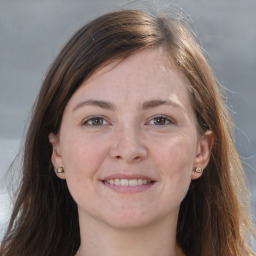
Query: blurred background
[[32, 33]]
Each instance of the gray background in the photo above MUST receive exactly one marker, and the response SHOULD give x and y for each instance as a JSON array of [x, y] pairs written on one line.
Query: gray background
[[32, 33]]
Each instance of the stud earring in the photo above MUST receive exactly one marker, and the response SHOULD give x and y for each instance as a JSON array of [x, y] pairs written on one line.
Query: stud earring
[[198, 170], [60, 170]]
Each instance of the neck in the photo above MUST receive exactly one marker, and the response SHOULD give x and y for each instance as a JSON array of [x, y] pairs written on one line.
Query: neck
[[100, 239]]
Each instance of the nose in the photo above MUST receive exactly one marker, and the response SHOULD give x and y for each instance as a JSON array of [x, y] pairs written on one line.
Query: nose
[[128, 145]]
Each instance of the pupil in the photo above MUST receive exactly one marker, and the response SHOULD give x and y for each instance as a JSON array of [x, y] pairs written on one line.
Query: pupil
[[97, 121], [160, 120]]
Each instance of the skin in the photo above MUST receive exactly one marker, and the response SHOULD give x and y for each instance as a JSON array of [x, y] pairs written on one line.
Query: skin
[[132, 133]]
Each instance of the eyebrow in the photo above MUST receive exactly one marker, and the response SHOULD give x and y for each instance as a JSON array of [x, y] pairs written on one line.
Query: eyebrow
[[156, 103], [145, 106], [95, 103]]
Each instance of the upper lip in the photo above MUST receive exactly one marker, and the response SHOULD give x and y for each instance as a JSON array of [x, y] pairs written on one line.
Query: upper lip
[[128, 176]]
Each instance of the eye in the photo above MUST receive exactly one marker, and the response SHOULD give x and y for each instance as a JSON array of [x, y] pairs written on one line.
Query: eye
[[160, 120], [95, 121]]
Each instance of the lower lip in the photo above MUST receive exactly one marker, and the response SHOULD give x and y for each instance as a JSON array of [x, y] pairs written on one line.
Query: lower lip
[[129, 189]]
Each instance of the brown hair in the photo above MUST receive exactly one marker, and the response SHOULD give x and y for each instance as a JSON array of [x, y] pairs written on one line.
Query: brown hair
[[212, 220]]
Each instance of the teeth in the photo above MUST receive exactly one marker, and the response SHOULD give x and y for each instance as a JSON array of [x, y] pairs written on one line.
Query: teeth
[[124, 182], [128, 182]]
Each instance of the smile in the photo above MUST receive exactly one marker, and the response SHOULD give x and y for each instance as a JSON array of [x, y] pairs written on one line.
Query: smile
[[128, 182]]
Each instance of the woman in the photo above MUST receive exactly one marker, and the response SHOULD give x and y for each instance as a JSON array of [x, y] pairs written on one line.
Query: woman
[[130, 150]]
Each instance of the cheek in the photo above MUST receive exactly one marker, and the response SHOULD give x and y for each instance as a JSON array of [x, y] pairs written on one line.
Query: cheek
[[176, 170], [175, 154], [175, 159], [82, 155], [81, 158]]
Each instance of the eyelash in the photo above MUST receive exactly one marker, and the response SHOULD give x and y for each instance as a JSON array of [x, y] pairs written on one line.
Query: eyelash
[[100, 121], [93, 119], [162, 118]]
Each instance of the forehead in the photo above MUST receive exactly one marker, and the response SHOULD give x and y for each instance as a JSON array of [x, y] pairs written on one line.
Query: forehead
[[156, 60], [148, 73]]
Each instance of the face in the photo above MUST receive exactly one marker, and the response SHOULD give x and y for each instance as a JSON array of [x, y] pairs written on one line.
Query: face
[[128, 142]]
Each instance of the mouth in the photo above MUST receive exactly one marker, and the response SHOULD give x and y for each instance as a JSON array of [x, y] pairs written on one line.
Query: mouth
[[128, 182], [124, 184]]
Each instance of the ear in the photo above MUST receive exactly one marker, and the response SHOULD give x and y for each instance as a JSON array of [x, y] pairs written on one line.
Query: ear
[[56, 154], [203, 153]]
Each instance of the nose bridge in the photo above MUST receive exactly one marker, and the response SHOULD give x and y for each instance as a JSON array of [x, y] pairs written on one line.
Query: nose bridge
[[128, 143]]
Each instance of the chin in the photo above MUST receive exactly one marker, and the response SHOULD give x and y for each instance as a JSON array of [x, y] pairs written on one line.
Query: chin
[[130, 219]]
